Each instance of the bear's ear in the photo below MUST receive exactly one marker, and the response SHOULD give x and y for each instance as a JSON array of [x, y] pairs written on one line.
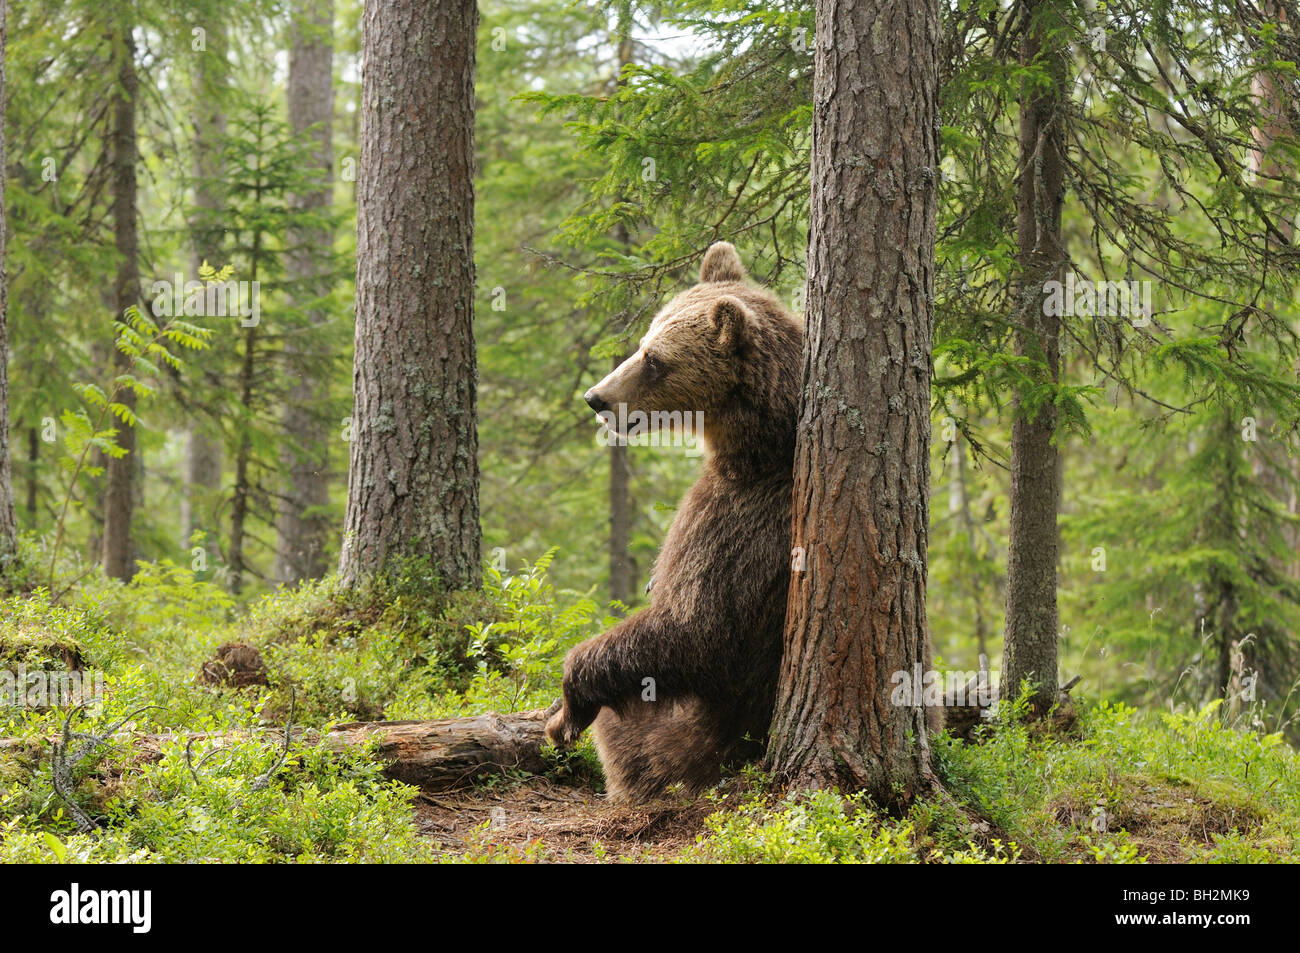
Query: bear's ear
[[730, 320], [721, 263]]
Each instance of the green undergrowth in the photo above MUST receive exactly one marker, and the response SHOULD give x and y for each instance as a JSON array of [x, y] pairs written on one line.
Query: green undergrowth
[[1124, 786], [395, 647]]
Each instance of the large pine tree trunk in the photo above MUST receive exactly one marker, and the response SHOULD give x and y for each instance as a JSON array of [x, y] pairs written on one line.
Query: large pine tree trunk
[[8, 522], [856, 612], [119, 492], [302, 526], [1030, 637], [413, 474]]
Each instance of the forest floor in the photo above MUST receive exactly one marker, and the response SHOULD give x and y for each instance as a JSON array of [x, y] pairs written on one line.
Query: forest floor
[[1120, 785], [538, 820]]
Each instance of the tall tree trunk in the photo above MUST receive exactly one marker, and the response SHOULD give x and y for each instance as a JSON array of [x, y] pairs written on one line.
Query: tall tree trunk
[[1265, 163], [243, 452], [8, 521], [622, 569], [1227, 528], [959, 502], [413, 474], [33, 464], [202, 486], [201, 478], [1030, 637], [239, 501], [856, 612], [119, 493], [302, 526]]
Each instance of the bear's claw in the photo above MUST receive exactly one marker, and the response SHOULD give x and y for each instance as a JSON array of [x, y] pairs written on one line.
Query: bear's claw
[[562, 732]]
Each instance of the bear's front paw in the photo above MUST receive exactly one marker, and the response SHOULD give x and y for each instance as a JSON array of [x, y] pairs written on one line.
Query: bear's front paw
[[562, 731]]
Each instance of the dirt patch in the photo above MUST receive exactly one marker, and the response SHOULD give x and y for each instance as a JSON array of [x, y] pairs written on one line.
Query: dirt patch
[[546, 823], [236, 665], [1163, 817]]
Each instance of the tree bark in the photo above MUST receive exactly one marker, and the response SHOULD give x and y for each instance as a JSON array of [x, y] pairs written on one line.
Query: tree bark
[[119, 493], [413, 474], [856, 610], [451, 752], [8, 520], [1030, 635], [302, 525]]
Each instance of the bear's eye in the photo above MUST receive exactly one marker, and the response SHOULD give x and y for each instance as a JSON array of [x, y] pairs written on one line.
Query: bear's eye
[[653, 366]]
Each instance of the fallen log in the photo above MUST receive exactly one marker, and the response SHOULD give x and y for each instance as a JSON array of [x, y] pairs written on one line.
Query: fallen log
[[434, 755], [447, 753]]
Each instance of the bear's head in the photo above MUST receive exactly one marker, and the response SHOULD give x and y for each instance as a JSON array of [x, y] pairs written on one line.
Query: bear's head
[[725, 353]]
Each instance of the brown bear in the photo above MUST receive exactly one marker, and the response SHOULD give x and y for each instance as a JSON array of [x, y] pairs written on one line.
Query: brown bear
[[687, 685]]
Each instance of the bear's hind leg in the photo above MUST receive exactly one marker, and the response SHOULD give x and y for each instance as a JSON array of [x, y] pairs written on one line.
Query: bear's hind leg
[[657, 744]]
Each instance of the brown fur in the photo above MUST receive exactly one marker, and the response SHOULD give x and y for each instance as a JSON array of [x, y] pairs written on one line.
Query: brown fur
[[711, 637]]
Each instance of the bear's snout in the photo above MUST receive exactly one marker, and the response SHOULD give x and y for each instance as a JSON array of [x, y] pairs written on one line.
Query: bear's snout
[[595, 401]]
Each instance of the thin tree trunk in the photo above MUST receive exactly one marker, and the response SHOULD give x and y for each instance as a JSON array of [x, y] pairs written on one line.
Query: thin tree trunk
[[119, 493], [1228, 529], [968, 523], [413, 474], [244, 451], [1030, 637], [8, 521], [302, 526], [622, 569], [1264, 162], [33, 469], [201, 484], [856, 612]]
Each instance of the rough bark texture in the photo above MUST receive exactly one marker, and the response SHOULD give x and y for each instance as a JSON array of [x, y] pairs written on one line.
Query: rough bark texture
[[8, 522], [302, 525], [413, 474], [434, 755], [1030, 637], [201, 478], [119, 493], [451, 752], [856, 611]]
